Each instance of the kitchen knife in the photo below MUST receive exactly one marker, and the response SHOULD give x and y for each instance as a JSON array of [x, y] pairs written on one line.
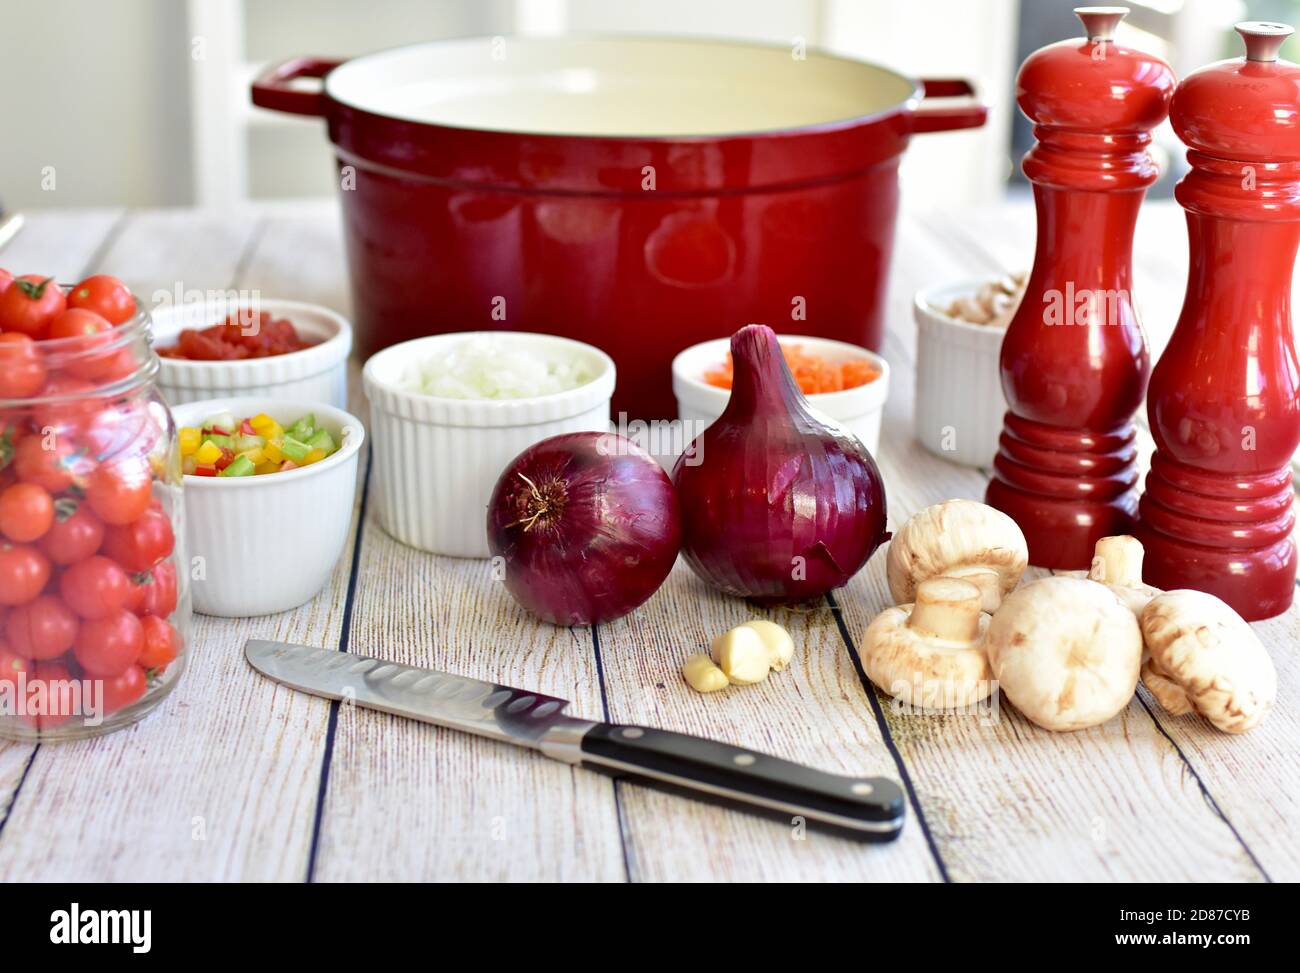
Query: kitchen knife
[[864, 809]]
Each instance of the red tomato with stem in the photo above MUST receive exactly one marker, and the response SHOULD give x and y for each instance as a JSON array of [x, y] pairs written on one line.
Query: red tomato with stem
[[141, 544], [75, 535], [51, 461], [23, 573], [95, 588], [120, 492], [122, 690], [157, 590], [109, 646], [22, 366], [26, 512], [106, 296], [42, 629], [162, 643], [29, 303]]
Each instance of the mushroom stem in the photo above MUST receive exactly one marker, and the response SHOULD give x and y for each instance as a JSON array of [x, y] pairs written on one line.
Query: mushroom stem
[[946, 608], [1117, 560], [988, 583]]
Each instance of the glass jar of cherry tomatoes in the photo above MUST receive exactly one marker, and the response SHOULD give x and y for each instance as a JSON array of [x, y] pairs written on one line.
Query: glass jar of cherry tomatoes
[[94, 594]]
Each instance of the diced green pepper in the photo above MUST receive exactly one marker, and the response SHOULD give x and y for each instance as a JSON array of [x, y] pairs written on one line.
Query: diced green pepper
[[240, 466], [293, 449], [225, 442], [321, 439], [302, 429]]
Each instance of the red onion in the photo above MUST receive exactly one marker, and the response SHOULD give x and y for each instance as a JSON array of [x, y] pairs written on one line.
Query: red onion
[[777, 505], [588, 526]]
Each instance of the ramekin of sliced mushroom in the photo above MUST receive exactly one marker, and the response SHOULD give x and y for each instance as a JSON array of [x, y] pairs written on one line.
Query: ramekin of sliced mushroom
[[1068, 652]]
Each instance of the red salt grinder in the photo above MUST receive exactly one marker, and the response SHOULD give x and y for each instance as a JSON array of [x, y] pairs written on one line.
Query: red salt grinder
[[1074, 360], [1224, 403]]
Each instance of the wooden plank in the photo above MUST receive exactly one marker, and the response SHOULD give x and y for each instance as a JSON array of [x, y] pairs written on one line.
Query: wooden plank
[[410, 802], [220, 783]]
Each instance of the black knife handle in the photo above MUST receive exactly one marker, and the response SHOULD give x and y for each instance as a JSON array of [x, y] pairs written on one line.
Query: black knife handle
[[865, 809]]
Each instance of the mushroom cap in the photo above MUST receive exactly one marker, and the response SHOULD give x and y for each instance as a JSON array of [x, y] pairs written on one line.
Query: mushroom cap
[[956, 538], [1198, 643], [1066, 652], [924, 670]]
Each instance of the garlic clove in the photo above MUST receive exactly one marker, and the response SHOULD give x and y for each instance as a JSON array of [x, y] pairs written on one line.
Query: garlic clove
[[780, 647], [742, 656], [702, 675]]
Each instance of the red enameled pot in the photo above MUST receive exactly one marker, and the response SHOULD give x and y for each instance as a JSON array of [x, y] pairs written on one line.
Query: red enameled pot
[[639, 194]]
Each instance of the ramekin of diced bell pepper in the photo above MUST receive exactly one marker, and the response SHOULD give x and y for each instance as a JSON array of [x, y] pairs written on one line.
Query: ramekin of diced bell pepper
[[227, 446]]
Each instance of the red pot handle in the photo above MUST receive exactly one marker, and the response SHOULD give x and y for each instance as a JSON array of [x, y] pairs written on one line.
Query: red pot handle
[[271, 87], [946, 118]]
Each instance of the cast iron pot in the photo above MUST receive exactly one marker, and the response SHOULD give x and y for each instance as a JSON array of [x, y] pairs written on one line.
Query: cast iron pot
[[639, 194]]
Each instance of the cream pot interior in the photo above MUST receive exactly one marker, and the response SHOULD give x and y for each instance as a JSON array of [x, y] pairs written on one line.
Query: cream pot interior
[[612, 86]]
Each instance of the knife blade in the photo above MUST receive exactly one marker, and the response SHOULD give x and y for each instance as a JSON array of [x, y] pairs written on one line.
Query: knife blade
[[864, 809]]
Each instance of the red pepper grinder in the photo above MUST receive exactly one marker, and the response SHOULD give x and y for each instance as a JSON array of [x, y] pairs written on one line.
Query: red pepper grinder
[[1224, 404], [1074, 359]]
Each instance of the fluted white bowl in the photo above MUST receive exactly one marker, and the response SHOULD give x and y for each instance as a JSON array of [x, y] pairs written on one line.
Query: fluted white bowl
[[959, 401], [315, 374], [437, 460], [264, 544]]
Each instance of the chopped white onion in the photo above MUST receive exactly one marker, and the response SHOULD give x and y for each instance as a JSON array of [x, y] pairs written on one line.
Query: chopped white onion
[[492, 367]]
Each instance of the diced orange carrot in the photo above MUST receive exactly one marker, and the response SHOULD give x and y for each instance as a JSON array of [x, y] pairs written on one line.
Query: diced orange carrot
[[813, 373]]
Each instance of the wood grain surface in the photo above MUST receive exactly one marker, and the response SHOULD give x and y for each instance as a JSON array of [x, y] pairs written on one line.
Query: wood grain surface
[[236, 778]]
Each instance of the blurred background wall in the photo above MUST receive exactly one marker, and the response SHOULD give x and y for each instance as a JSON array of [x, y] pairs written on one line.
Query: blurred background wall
[[145, 102]]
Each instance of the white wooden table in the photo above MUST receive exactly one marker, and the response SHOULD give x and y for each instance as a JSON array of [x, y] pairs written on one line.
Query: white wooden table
[[235, 777]]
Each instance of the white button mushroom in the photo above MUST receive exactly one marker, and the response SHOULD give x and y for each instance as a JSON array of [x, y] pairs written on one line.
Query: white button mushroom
[[931, 654], [1204, 656], [1117, 563], [958, 539], [1065, 652]]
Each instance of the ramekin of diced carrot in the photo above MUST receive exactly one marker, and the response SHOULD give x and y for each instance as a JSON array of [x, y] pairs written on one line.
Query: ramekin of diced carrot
[[226, 445]]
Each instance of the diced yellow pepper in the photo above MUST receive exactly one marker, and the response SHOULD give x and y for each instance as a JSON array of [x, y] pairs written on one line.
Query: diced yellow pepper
[[266, 467], [256, 454], [189, 439], [266, 426], [208, 453], [272, 453], [315, 456]]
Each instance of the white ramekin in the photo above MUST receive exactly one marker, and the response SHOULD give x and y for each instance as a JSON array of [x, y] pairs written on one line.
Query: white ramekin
[[437, 460], [269, 543], [859, 410], [316, 374], [959, 402]]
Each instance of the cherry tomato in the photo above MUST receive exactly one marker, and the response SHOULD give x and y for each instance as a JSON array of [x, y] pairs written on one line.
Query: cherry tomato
[[22, 367], [26, 512], [6, 279], [124, 430], [162, 643], [84, 335], [23, 573], [75, 535], [72, 406], [30, 303], [120, 492], [42, 629], [11, 664], [156, 590], [95, 588], [106, 296], [123, 690], [52, 462], [109, 646], [141, 544], [51, 694]]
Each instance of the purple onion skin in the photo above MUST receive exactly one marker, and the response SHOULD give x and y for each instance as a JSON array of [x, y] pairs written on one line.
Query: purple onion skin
[[588, 526], [781, 508]]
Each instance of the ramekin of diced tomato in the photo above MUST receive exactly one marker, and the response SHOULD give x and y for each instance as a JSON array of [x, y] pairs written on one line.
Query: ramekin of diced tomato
[[269, 495], [270, 349]]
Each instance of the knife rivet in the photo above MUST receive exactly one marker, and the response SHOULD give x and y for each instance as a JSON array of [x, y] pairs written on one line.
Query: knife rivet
[[632, 732], [743, 759], [862, 788]]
